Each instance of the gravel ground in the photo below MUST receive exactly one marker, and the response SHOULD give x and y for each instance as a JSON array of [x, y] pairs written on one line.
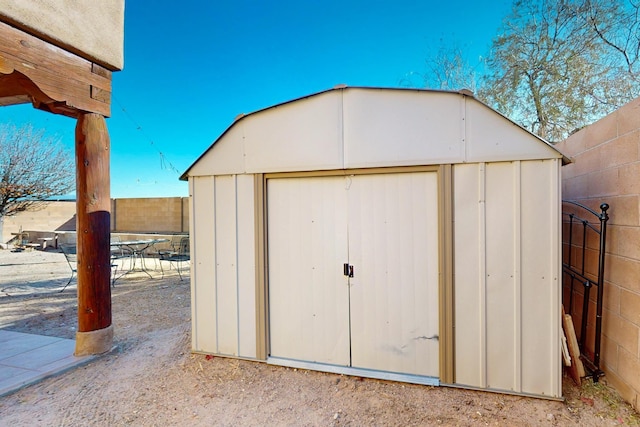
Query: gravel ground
[[152, 379]]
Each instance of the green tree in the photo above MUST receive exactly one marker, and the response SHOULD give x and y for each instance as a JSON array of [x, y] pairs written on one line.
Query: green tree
[[556, 65], [33, 169]]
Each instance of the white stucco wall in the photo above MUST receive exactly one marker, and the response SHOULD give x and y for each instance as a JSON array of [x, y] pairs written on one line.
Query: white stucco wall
[[91, 29]]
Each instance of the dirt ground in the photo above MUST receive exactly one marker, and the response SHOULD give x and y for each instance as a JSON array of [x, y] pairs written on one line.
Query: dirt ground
[[151, 378]]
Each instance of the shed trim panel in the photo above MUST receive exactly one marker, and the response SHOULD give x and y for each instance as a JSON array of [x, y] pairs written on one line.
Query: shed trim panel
[[203, 286], [384, 128], [224, 312], [492, 138], [303, 135], [507, 294]]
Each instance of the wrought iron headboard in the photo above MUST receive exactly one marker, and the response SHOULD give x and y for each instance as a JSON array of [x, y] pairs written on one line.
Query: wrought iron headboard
[[576, 272]]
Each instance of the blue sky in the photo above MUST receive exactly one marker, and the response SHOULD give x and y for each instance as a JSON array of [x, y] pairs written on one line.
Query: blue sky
[[190, 70]]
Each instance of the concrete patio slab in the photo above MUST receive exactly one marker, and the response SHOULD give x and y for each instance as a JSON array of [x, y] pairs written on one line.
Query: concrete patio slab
[[27, 358]]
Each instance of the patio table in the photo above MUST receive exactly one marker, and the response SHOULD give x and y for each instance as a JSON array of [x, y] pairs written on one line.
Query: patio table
[[137, 249]]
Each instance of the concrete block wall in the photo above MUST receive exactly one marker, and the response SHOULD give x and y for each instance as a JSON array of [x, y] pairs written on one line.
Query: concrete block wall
[[56, 216], [155, 215], [606, 168], [169, 215]]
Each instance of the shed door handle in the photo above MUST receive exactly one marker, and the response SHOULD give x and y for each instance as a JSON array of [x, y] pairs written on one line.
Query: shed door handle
[[347, 270]]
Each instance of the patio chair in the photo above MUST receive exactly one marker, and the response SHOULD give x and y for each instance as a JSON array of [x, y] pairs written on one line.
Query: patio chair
[[71, 255], [117, 252], [176, 258], [164, 251], [70, 252], [167, 250], [174, 246]]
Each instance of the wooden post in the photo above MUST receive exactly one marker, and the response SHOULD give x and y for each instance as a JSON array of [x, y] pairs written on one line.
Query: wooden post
[[95, 332]]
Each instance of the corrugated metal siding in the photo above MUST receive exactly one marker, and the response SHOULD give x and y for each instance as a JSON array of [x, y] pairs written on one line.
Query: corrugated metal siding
[[224, 311], [541, 276], [226, 255], [506, 219], [246, 266], [203, 285]]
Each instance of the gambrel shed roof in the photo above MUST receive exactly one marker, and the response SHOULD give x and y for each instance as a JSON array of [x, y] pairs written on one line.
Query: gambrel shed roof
[[356, 127]]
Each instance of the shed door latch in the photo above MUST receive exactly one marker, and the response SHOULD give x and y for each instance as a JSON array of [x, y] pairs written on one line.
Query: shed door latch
[[348, 270]]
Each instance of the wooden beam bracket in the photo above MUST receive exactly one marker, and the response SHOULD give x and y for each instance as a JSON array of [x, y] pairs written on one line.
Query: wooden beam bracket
[[51, 78]]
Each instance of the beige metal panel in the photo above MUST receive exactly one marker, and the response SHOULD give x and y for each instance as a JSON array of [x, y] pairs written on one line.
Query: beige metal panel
[[226, 157], [507, 269], [492, 138], [368, 127], [502, 307], [226, 264], [398, 128], [300, 136], [246, 266], [203, 274], [307, 246], [469, 275], [393, 247], [91, 29], [541, 274]]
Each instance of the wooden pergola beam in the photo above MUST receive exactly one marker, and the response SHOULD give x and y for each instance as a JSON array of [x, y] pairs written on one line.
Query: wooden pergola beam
[[65, 83]]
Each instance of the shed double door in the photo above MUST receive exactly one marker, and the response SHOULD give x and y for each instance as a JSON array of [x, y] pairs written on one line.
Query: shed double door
[[381, 229]]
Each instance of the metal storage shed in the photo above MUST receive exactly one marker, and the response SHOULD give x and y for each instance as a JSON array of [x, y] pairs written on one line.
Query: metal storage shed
[[399, 234]]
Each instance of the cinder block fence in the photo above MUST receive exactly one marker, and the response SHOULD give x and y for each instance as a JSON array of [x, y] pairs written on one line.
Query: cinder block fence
[[606, 168], [164, 215]]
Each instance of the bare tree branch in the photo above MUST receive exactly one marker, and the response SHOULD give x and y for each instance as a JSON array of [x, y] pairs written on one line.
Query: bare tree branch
[[33, 169], [560, 64]]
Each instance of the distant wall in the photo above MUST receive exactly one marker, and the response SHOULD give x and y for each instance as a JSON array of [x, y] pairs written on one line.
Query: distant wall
[[158, 215], [167, 215], [56, 216], [606, 168]]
